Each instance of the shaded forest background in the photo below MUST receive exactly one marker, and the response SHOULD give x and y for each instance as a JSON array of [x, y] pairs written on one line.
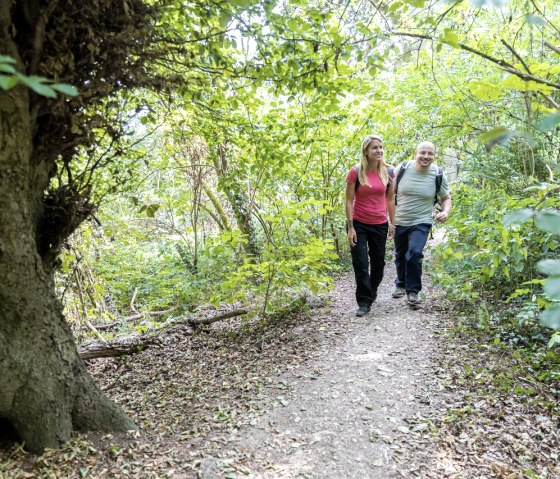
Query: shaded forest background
[[220, 180]]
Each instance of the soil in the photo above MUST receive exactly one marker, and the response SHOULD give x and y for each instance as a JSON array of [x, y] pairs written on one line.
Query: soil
[[319, 394]]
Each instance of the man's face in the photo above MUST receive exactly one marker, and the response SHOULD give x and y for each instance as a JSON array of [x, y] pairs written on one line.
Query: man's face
[[425, 154]]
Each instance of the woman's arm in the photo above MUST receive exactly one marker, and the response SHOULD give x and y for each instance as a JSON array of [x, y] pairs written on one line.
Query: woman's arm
[[349, 207]]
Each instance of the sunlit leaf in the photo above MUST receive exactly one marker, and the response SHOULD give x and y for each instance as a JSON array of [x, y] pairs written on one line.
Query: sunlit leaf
[[450, 37], [515, 83], [485, 90]]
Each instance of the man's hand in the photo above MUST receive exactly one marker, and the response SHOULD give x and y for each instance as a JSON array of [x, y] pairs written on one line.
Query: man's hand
[[442, 216], [352, 236], [391, 234]]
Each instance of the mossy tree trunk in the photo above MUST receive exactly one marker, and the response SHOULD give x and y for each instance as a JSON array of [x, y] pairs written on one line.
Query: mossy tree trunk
[[45, 389]]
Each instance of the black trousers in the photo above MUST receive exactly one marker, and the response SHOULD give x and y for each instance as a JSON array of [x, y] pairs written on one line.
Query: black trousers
[[368, 260]]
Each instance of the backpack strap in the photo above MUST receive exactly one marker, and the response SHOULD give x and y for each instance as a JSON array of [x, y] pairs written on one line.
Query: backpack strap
[[390, 171], [439, 179], [402, 167]]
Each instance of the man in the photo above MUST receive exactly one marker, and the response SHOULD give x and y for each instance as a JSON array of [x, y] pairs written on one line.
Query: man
[[415, 197]]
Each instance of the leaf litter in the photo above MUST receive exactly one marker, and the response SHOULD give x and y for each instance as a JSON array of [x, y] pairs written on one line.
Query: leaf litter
[[326, 394]]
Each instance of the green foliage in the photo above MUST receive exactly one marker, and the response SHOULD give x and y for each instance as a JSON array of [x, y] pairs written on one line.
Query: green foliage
[[293, 263], [10, 77], [484, 255]]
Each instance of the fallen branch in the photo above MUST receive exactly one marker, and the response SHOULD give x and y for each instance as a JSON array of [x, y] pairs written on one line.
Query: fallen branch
[[111, 350], [134, 344], [103, 326], [213, 319]]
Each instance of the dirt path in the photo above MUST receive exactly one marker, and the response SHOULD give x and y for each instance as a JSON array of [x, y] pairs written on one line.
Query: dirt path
[[349, 411]]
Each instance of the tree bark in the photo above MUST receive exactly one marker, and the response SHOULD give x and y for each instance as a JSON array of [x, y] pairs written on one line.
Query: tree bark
[[45, 389]]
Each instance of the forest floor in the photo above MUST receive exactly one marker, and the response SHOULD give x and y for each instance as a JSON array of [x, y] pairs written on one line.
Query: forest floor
[[400, 392]]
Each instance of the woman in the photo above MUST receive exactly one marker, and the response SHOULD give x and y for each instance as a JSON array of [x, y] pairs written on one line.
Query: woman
[[370, 196]]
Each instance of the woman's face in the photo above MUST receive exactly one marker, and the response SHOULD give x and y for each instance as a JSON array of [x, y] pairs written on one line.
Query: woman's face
[[374, 151]]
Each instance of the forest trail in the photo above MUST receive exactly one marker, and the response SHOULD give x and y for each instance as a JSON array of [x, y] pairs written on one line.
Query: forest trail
[[354, 410]]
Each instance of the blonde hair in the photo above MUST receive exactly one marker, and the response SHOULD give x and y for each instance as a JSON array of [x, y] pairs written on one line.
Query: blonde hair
[[381, 166]]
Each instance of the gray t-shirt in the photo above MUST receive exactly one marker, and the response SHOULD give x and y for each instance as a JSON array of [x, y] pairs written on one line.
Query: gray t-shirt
[[416, 190]]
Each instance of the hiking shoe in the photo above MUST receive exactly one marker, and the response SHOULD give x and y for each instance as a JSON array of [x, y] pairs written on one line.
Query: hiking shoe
[[399, 292], [362, 311], [413, 298]]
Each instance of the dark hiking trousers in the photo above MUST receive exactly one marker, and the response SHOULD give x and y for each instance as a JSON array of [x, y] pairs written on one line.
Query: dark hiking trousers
[[368, 260], [409, 251]]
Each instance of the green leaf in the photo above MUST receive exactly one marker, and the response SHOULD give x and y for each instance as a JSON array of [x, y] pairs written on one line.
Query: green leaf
[[394, 6], [8, 82], [552, 288], [450, 37], [518, 216], [6, 59], [485, 90], [65, 89], [548, 122], [555, 339], [548, 220], [549, 266], [37, 85], [5, 68], [225, 18], [496, 136], [551, 317]]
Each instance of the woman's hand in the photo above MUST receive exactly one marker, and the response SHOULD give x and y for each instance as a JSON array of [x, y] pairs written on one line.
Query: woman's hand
[[391, 234], [352, 237]]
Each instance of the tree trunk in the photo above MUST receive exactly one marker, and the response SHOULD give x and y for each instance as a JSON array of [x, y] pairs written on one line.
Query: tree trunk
[[45, 389], [240, 205]]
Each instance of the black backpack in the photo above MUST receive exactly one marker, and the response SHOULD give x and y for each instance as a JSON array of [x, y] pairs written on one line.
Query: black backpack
[[405, 165]]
